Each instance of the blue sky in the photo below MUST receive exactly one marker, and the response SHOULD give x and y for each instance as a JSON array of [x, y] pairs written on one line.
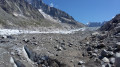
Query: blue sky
[[88, 10]]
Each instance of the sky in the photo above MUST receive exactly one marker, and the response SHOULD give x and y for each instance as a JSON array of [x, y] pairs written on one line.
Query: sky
[[86, 11]]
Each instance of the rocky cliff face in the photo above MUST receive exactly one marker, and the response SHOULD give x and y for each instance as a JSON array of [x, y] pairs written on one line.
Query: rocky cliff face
[[53, 12], [103, 45], [113, 25], [20, 8], [32, 14], [19, 14]]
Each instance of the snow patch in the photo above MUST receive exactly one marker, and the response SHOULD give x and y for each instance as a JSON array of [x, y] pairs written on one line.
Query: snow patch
[[46, 16], [25, 55], [12, 31], [19, 9], [21, 51], [16, 14], [66, 19], [12, 62]]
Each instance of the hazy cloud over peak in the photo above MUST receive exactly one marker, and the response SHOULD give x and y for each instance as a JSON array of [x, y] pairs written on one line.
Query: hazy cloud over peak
[[51, 5]]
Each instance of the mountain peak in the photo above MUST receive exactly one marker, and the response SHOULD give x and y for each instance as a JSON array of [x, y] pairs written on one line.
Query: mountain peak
[[54, 12], [34, 14]]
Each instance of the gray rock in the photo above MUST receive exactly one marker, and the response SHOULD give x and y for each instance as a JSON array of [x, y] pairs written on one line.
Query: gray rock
[[94, 54], [83, 66], [12, 53], [59, 49], [81, 62], [102, 45], [19, 64], [95, 33], [89, 49], [10, 37], [108, 65], [117, 62], [118, 45], [117, 54], [87, 42], [95, 50], [103, 65], [26, 40], [112, 60], [106, 60], [35, 43], [110, 48], [117, 29], [104, 53], [5, 58], [4, 36]]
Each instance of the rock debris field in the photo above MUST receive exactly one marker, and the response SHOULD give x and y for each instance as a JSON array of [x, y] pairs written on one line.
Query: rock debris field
[[78, 49]]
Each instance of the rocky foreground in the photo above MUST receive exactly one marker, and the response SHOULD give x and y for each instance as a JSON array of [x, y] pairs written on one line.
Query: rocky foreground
[[79, 49], [41, 50], [84, 48]]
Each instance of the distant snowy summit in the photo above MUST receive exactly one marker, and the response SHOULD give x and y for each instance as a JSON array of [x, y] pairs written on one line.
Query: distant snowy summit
[[95, 24]]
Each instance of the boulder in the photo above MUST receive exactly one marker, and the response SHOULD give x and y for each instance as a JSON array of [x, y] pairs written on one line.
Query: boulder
[[117, 55], [89, 49], [95, 33], [106, 60], [117, 60], [108, 65], [105, 53], [101, 45], [26, 40], [4, 37], [112, 60], [59, 48], [118, 45], [81, 62]]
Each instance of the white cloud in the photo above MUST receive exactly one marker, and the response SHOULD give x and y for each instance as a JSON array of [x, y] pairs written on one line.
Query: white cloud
[[51, 5], [113, 16]]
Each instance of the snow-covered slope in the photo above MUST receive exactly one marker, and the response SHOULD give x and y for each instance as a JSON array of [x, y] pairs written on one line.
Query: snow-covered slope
[[46, 16]]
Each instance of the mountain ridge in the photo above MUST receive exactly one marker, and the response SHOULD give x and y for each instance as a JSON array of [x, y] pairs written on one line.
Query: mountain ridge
[[19, 14], [95, 24], [54, 12], [113, 26]]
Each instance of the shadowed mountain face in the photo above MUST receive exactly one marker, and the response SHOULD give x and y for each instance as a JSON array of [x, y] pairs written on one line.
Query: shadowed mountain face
[[113, 25]]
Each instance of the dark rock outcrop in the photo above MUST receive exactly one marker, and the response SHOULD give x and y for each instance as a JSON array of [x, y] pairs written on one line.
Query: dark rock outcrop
[[113, 25]]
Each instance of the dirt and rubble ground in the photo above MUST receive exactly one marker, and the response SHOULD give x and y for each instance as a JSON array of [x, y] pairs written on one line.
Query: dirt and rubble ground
[[79, 49]]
